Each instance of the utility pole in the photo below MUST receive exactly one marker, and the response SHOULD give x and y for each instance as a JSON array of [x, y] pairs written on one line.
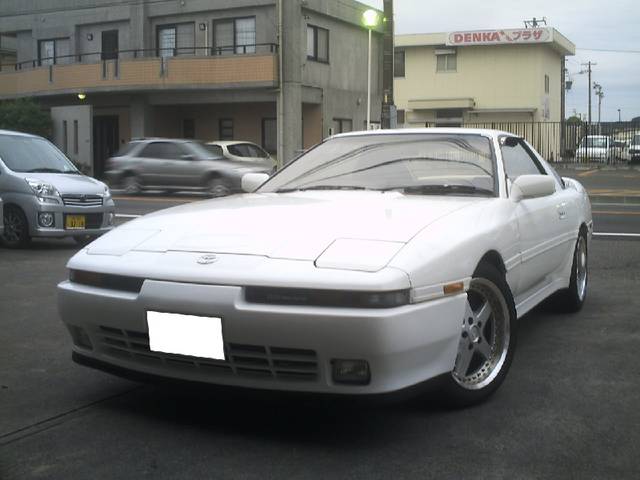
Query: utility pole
[[599, 93], [589, 64], [387, 66], [619, 116]]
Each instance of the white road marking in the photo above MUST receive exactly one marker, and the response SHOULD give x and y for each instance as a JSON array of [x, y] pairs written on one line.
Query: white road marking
[[126, 215], [603, 234]]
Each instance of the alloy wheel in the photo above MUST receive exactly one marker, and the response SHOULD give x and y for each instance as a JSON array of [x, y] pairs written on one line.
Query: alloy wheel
[[485, 336]]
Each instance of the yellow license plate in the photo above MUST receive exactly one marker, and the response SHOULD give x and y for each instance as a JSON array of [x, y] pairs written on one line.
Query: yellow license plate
[[75, 222]]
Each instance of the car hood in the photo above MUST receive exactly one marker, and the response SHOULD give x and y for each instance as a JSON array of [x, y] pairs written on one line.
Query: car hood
[[297, 226], [70, 183]]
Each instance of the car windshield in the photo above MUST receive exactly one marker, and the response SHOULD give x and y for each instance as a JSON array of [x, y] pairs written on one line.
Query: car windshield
[[32, 154], [595, 142], [203, 151], [414, 163]]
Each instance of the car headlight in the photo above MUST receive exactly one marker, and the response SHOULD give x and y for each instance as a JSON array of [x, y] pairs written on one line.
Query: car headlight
[[361, 255], [44, 191], [107, 193]]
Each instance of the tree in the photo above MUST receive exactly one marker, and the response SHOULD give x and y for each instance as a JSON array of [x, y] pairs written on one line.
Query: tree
[[25, 115], [574, 120]]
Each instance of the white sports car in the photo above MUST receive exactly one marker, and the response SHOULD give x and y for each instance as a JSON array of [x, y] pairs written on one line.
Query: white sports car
[[373, 263]]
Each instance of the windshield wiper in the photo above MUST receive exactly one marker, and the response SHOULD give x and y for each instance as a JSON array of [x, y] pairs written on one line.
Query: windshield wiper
[[44, 170], [442, 190], [323, 187]]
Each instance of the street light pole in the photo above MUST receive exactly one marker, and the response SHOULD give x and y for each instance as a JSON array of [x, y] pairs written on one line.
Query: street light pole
[[619, 116], [370, 19], [369, 84]]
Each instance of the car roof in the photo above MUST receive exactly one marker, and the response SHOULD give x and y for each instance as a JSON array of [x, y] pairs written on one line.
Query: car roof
[[18, 134], [445, 130], [225, 143], [162, 139]]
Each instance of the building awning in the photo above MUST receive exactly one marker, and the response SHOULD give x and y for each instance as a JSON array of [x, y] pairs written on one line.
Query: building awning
[[441, 103], [504, 110]]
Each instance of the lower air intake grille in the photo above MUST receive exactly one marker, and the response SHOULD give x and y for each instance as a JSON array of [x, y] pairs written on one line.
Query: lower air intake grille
[[258, 361]]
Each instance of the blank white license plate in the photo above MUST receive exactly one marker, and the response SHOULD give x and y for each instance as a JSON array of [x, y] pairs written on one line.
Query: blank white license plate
[[186, 335]]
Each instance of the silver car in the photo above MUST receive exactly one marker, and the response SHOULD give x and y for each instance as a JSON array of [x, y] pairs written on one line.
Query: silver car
[[45, 195], [176, 165], [245, 152]]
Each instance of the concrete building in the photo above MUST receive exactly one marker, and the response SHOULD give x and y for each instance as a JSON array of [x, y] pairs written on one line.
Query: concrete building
[[486, 76], [207, 69]]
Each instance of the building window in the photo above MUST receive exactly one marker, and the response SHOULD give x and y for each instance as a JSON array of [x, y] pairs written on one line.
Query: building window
[[269, 135], [109, 45], [400, 117], [398, 63], [317, 44], [176, 39], [46, 52], [235, 35], [166, 41], [225, 127], [546, 84], [75, 137], [342, 125], [188, 128], [446, 60]]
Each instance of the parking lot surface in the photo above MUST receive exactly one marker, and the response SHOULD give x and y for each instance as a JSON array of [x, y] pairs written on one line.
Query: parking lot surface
[[568, 408]]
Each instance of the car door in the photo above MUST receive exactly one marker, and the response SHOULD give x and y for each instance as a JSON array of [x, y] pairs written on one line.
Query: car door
[[541, 222], [150, 164]]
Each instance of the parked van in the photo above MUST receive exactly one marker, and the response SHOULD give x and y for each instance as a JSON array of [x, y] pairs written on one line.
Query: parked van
[[45, 195]]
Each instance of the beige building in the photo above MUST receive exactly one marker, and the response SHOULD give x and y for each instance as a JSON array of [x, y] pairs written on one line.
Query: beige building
[[480, 77]]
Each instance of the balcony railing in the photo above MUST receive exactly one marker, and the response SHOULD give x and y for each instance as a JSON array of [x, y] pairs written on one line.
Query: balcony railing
[[126, 70], [92, 57]]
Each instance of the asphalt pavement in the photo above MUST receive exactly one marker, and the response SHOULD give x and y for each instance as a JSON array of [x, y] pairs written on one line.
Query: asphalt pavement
[[568, 408]]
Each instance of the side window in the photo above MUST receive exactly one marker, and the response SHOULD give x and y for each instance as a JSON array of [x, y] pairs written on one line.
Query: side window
[[164, 150], [518, 161], [171, 151], [239, 150], [153, 150]]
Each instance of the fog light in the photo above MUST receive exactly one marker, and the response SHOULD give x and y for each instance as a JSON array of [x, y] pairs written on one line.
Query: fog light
[[80, 337], [46, 219], [110, 218], [354, 372]]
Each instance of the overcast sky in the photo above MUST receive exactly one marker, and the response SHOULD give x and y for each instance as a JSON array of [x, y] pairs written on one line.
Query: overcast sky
[[589, 24]]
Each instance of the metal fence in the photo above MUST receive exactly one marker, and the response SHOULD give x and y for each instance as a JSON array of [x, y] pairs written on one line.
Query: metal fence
[[610, 143]]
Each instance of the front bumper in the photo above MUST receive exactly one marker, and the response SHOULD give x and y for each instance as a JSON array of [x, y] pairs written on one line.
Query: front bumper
[[271, 347], [99, 219]]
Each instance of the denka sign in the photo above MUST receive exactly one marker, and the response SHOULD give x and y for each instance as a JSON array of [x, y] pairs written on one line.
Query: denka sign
[[495, 37]]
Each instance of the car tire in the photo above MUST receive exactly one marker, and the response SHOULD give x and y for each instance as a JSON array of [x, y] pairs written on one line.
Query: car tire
[[83, 240], [571, 300], [131, 184], [16, 228], [487, 341], [218, 187]]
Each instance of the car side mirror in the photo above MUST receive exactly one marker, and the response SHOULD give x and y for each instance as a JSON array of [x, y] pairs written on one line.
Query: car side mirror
[[532, 186], [251, 181]]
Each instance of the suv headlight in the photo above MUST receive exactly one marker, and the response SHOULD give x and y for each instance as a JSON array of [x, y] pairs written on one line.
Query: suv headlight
[[44, 191]]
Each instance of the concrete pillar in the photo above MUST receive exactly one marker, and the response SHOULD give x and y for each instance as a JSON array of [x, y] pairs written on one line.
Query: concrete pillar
[[141, 118], [139, 28], [292, 49]]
